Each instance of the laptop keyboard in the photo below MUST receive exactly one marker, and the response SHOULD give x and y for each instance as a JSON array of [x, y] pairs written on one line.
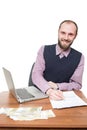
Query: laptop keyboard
[[24, 94]]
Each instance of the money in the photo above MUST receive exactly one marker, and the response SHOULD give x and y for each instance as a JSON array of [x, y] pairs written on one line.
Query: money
[[28, 113]]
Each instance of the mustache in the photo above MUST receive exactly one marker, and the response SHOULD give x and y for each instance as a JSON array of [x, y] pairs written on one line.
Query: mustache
[[65, 40]]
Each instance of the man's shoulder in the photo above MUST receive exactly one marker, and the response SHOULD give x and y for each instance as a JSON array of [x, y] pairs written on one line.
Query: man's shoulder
[[48, 47]]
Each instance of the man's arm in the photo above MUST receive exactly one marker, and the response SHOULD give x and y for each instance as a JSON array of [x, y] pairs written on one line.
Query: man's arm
[[38, 79], [37, 73], [76, 79]]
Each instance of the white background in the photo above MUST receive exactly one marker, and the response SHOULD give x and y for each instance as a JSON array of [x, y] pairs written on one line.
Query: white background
[[25, 25]]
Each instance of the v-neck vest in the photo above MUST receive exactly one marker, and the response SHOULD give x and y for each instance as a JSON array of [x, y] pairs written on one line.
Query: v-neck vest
[[60, 69]]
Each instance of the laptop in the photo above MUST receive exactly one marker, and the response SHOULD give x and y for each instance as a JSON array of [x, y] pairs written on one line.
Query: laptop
[[22, 94]]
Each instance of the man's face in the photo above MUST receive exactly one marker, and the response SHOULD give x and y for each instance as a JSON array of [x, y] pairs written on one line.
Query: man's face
[[66, 35]]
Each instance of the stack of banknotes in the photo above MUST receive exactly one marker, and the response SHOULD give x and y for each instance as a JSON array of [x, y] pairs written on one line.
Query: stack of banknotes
[[27, 113]]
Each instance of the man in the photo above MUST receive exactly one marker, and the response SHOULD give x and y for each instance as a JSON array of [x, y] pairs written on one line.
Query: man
[[59, 67]]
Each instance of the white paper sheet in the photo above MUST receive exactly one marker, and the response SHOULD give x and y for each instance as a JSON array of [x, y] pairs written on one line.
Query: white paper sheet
[[70, 100]]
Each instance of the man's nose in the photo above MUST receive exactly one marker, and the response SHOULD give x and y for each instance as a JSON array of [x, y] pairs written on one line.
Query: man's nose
[[66, 36]]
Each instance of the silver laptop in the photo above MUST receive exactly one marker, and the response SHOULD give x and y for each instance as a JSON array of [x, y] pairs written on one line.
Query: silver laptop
[[22, 94]]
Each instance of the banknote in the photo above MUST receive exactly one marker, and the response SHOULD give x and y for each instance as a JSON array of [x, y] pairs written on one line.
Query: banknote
[[28, 113]]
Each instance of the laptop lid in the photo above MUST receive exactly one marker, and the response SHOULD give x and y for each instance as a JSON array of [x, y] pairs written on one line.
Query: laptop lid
[[9, 81], [37, 94]]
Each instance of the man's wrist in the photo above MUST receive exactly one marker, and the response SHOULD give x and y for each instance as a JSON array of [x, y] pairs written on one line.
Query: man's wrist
[[48, 91]]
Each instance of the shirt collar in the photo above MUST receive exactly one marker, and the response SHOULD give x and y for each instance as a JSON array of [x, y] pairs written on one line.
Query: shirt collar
[[60, 51]]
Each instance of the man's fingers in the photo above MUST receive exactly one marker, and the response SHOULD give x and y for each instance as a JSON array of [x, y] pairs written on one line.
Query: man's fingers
[[56, 95]]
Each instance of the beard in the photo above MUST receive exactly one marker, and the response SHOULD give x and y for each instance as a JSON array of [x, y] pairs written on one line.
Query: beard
[[64, 47]]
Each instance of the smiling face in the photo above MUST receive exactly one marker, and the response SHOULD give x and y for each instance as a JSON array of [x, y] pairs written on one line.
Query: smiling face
[[66, 34]]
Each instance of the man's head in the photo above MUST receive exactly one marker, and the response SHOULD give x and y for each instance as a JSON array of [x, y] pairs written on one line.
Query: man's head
[[67, 32]]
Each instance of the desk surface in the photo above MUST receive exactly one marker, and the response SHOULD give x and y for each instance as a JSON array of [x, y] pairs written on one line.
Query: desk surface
[[69, 118]]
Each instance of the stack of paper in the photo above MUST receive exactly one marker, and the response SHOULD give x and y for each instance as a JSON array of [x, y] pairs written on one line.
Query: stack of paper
[[70, 100]]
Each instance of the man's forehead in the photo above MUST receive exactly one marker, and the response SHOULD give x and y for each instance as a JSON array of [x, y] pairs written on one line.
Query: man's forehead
[[68, 27]]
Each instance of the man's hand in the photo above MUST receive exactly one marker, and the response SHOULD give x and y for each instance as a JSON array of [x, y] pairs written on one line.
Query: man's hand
[[52, 85], [55, 94]]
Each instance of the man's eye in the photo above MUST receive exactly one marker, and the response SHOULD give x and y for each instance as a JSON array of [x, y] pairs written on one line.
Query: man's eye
[[62, 32], [71, 34]]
